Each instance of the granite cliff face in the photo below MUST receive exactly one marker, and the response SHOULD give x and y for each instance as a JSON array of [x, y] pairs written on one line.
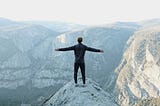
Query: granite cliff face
[[138, 74], [149, 102], [17, 59]]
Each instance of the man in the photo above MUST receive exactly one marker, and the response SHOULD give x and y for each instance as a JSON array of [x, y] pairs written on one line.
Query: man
[[79, 52]]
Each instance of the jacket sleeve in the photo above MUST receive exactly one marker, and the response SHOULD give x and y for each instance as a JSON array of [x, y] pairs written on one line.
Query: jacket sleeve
[[92, 49], [66, 49]]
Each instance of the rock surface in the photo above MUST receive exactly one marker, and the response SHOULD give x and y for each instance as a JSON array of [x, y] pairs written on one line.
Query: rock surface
[[90, 95], [139, 72]]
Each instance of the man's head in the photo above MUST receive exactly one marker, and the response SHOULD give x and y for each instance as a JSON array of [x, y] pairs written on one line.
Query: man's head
[[80, 39]]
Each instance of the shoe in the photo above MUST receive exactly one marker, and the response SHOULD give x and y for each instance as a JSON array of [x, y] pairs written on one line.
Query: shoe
[[76, 85], [84, 85]]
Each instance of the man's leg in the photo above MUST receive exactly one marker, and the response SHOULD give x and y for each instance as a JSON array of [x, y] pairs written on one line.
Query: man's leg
[[76, 66], [82, 66]]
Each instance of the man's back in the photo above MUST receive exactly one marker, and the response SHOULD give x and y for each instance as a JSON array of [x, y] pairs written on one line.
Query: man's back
[[79, 52]]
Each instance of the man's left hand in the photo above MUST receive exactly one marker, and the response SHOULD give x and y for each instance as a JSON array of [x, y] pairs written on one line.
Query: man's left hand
[[56, 49], [101, 51]]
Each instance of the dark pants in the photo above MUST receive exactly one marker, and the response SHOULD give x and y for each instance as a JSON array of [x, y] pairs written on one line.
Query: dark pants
[[82, 67]]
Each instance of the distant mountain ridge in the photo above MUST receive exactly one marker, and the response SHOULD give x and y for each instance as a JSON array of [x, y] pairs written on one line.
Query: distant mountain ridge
[[150, 23], [61, 27], [4, 22]]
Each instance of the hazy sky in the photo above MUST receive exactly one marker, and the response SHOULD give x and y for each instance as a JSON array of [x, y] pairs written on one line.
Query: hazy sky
[[80, 11]]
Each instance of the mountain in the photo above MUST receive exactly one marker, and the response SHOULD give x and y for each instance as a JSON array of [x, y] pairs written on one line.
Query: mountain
[[56, 26], [129, 25], [28, 60], [57, 67], [31, 69], [20, 54], [18, 66], [90, 95], [128, 70], [28, 64], [7, 23], [149, 23], [138, 74]]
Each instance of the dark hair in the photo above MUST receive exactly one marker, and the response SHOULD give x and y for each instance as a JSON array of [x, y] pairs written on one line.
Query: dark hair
[[80, 39]]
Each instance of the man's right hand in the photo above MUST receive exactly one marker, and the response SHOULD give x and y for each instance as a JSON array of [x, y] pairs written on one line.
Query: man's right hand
[[56, 49], [101, 51]]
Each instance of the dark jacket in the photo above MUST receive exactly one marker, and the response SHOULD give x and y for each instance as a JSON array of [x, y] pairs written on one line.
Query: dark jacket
[[79, 51]]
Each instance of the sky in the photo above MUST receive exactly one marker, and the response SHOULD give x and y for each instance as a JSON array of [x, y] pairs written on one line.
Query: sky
[[86, 12]]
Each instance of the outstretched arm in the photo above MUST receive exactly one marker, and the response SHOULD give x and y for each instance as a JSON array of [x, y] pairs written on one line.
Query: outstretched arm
[[94, 50], [65, 49]]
